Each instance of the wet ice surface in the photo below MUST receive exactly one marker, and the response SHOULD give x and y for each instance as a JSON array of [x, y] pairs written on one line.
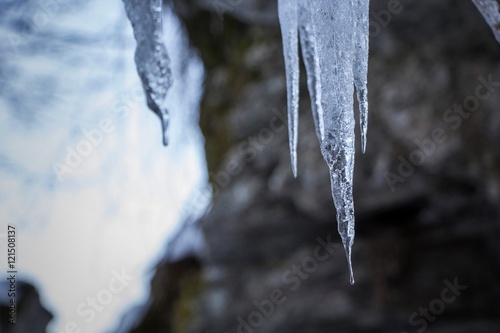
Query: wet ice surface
[[93, 191], [151, 58], [288, 16], [334, 39], [490, 9]]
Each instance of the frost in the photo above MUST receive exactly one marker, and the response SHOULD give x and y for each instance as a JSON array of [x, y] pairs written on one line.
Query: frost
[[491, 13], [151, 58], [334, 40]]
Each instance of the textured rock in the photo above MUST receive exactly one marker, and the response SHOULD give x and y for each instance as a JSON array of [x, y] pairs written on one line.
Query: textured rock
[[266, 231]]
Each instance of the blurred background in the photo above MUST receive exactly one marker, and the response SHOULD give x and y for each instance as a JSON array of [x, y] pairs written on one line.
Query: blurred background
[[265, 256], [84, 177]]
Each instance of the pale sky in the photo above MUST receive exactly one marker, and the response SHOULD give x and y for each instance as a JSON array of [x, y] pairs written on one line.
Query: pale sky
[[83, 172]]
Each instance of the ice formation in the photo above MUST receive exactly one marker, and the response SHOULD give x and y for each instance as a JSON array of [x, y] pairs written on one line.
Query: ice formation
[[151, 58], [360, 70], [491, 13], [311, 63], [288, 16], [334, 40]]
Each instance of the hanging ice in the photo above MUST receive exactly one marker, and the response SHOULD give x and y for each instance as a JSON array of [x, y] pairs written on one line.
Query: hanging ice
[[360, 70], [287, 12], [334, 39], [491, 13], [311, 62], [151, 58]]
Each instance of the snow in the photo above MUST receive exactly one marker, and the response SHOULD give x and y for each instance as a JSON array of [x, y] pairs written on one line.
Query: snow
[[334, 39], [490, 10]]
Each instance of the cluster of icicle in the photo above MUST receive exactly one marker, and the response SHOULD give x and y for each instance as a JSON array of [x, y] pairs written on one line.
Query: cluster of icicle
[[334, 42], [333, 35]]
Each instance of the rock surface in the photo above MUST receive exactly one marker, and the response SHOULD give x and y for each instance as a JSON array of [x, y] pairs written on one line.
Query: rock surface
[[427, 192], [31, 316]]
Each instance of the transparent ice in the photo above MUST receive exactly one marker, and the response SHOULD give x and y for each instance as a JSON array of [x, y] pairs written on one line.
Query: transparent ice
[[311, 62], [151, 58], [491, 13], [334, 41], [288, 16]]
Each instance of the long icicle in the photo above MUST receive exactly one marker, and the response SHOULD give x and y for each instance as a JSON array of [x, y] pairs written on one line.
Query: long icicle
[[287, 12], [361, 9], [334, 30], [334, 40]]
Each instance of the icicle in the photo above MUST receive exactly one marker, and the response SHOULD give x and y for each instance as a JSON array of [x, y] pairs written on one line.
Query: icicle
[[311, 62], [334, 40], [287, 12], [491, 13], [361, 9], [335, 31], [151, 58]]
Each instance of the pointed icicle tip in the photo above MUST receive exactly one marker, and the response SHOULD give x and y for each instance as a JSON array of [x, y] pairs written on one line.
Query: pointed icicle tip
[[165, 139], [164, 127], [347, 248], [363, 125], [363, 116], [288, 18]]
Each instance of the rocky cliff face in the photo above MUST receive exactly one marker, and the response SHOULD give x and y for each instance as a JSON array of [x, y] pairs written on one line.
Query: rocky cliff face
[[427, 192]]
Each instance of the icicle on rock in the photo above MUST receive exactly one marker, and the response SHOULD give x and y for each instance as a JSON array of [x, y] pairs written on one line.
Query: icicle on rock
[[334, 40], [311, 62], [151, 58], [287, 12], [491, 13]]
